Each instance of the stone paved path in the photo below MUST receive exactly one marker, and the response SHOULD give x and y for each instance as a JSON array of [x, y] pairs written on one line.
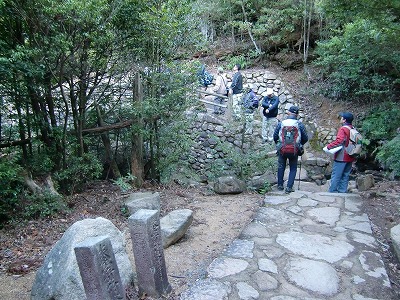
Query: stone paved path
[[305, 245]]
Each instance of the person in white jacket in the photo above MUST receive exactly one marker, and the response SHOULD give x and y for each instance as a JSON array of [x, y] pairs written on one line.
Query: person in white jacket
[[220, 88]]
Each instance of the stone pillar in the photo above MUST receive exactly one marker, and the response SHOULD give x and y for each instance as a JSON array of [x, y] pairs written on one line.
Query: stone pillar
[[148, 251], [98, 269]]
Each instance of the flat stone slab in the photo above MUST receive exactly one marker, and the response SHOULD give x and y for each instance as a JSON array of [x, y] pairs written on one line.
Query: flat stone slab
[[240, 249], [207, 289], [313, 275], [222, 267], [324, 248], [327, 215], [246, 291]]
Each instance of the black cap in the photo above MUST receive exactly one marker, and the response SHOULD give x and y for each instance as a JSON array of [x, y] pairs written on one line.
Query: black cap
[[294, 110], [347, 116]]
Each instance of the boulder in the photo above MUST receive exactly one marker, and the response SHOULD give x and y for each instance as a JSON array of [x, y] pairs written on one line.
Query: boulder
[[142, 200], [174, 226], [258, 182], [59, 278], [395, 236], [364, 183], [229, 185]]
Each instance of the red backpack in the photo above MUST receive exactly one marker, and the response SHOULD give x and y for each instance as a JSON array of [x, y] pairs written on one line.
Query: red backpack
[[290, 137]]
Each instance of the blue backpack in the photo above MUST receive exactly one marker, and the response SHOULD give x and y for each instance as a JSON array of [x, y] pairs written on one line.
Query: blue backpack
[[207, 78], [250, 100]]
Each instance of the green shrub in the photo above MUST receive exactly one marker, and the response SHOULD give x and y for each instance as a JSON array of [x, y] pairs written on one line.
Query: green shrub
[[11, 183], [382, 122], [266, 188], [240, 59], [361, 70], [125, 183], [42, 205], [80, 170], [40, 164], [389, 155]]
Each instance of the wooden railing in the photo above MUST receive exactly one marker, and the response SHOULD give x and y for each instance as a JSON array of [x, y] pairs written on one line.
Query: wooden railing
[[228, 106]]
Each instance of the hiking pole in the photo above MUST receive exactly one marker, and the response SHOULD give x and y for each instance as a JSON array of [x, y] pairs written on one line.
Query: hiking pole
[[298, 187]]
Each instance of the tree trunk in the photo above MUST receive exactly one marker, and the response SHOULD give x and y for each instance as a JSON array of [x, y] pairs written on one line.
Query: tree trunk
[[258, 51], [137, 138], [308, 10], [109, 157]]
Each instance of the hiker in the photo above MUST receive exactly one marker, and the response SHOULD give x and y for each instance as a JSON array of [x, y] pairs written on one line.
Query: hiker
[[236, 90], [204, 77], [343, 162], [269, 110], [290, 135], [249, 104], [220, 88]]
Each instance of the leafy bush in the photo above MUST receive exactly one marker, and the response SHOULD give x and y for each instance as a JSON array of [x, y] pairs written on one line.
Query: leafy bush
[[362, 70], [11, 182], [389, 155], [380, 127], [42, 205], [240, 59], [80, 171], [382, 122], [40, 164], [125, 182]]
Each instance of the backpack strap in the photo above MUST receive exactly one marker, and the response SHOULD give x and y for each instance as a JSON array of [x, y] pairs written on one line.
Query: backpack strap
[[223, 81]]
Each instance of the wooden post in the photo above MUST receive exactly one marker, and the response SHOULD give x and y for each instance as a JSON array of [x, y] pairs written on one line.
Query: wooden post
[[137, 137]]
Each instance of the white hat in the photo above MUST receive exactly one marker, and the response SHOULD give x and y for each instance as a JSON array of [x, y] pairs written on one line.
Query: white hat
[[270, 91]]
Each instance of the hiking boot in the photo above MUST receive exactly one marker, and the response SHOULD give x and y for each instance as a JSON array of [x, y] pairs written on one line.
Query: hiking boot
[[280, 187], [289, 190]]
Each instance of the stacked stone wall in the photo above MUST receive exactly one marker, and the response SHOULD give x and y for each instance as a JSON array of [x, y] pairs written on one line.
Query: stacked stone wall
[[209, 131]]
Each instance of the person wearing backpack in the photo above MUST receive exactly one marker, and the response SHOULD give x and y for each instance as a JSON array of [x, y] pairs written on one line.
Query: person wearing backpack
[[205, 78], [290, 135], [249, 104], [269, 109], [236, 89], [343, 162], [220, 88]]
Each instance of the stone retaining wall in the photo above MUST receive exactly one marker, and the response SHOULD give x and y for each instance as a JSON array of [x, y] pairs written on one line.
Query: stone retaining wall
[[209, 131]]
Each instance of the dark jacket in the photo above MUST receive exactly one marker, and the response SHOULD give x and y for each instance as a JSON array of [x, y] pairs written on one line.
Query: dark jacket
[[342, 138], [237, 83], [270, 103], [250, 102], [302, 128]]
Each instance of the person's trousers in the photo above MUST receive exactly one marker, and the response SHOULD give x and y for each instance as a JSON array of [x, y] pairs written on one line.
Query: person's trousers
[[268, 128], [292, 168], [340, 176]]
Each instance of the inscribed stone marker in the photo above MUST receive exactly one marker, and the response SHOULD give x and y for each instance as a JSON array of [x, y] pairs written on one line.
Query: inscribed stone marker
[[151, 270], [99, 270]]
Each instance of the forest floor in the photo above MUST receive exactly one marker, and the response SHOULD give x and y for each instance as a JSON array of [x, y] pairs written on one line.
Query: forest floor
[[218, 219]]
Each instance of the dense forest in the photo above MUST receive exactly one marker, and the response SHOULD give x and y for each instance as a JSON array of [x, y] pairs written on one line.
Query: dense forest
[[99, 88]]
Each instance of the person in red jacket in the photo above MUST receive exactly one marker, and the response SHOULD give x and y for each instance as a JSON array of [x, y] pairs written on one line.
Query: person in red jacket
[[343, 162]]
